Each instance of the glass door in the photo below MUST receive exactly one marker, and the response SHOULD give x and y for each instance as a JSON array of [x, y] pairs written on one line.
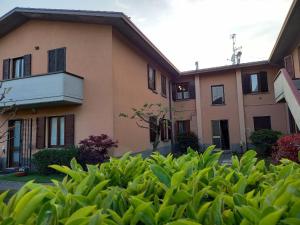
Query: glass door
[[14, 143]]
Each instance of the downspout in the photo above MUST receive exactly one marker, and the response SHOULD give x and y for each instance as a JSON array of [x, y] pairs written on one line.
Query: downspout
[[171, 114]]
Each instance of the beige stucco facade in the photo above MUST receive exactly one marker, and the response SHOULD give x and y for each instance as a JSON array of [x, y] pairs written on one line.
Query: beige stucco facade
[[114, 75], [239, 108]]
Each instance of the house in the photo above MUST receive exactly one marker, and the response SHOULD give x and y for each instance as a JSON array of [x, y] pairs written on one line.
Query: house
[[71, 73]]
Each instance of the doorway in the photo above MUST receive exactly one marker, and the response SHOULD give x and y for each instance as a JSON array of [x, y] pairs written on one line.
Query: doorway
[[220, 134], [14, 143]]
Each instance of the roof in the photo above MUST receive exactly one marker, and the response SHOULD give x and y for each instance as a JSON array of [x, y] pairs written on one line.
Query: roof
[[118, 20], [225, 68], [289, 35]]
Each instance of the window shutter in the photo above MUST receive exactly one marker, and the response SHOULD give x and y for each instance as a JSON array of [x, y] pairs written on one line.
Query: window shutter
[[246, 83], [289, 65], [162, 130], [40, 132], [6, 69], [61, 59], [169, 130], [152, 126], [263, 80], [174, 87], [192, 89], [27, 65], [69, 130], [51, 61], [187, 126]]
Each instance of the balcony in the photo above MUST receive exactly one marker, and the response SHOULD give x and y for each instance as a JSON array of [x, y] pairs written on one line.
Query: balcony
[[60, 88]]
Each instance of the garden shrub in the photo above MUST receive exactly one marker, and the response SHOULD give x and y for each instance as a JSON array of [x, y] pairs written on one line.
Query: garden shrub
[[94, 149], [43, 158], [191, 189], [264, 139], [287, 147], [184, 141]]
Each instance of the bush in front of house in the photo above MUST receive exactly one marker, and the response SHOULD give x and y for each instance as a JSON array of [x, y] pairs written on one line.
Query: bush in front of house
[[94, 149], [187, 140], [287, 147], [192, 189], [43, 158], [264, 139]]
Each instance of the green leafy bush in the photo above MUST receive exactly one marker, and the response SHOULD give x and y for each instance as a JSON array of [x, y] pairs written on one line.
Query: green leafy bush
[[189, 190], [264, 139], [42, 159], [184, 141]]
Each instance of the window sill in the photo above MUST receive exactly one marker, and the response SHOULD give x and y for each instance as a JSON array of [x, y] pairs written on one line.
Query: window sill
[[258, 93], [182, 100], [154, 91], [163, 95], [218, 104]]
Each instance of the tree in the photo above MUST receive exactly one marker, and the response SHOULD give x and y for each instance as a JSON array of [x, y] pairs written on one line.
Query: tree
[[6, 112], [151, 117]]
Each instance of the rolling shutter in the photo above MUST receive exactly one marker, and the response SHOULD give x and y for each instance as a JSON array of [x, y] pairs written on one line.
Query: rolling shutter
[[69, 130], [40, 132], [6, 69], [27, 65]]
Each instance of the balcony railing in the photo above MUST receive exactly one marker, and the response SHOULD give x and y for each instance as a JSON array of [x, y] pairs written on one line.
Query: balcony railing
[[43, 90]]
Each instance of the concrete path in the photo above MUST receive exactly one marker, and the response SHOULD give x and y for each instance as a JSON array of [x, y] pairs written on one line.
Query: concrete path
[[10, 185]]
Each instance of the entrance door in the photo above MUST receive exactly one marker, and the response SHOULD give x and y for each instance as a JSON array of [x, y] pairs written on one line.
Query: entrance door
[[220, 134], [14, 143]]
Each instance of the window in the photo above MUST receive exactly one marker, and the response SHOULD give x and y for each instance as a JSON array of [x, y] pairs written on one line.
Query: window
[[255, 82], [163, 86], [57, 60], [56, 131], [262, 122], [220, 134], [151, 78], [18, 68], [183, 127], [182, 91], [165, 130], [217, 94]]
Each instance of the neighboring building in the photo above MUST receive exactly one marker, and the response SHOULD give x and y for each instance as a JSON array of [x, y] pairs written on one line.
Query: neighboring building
[[231, 102], [72, 73]]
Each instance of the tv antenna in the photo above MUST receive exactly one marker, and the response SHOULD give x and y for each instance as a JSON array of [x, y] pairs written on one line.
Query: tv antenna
[[236, 51]]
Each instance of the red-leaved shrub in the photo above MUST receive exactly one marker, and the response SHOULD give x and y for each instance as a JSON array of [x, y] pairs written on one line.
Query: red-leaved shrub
[[287, 147], [94, 149]]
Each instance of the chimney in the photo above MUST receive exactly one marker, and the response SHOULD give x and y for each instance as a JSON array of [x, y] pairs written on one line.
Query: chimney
[[197, 65]]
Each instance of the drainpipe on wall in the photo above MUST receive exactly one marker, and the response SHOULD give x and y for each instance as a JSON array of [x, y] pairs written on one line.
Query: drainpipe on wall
[[171, 114]]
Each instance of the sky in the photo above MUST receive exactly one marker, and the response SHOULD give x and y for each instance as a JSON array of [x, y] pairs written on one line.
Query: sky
[[187, 31]]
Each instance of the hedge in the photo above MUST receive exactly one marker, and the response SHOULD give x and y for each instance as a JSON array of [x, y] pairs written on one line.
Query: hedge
[[43, 158], [189, 190]]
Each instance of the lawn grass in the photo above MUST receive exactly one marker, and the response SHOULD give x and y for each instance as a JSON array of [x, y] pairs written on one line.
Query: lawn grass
[[31, 176]]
